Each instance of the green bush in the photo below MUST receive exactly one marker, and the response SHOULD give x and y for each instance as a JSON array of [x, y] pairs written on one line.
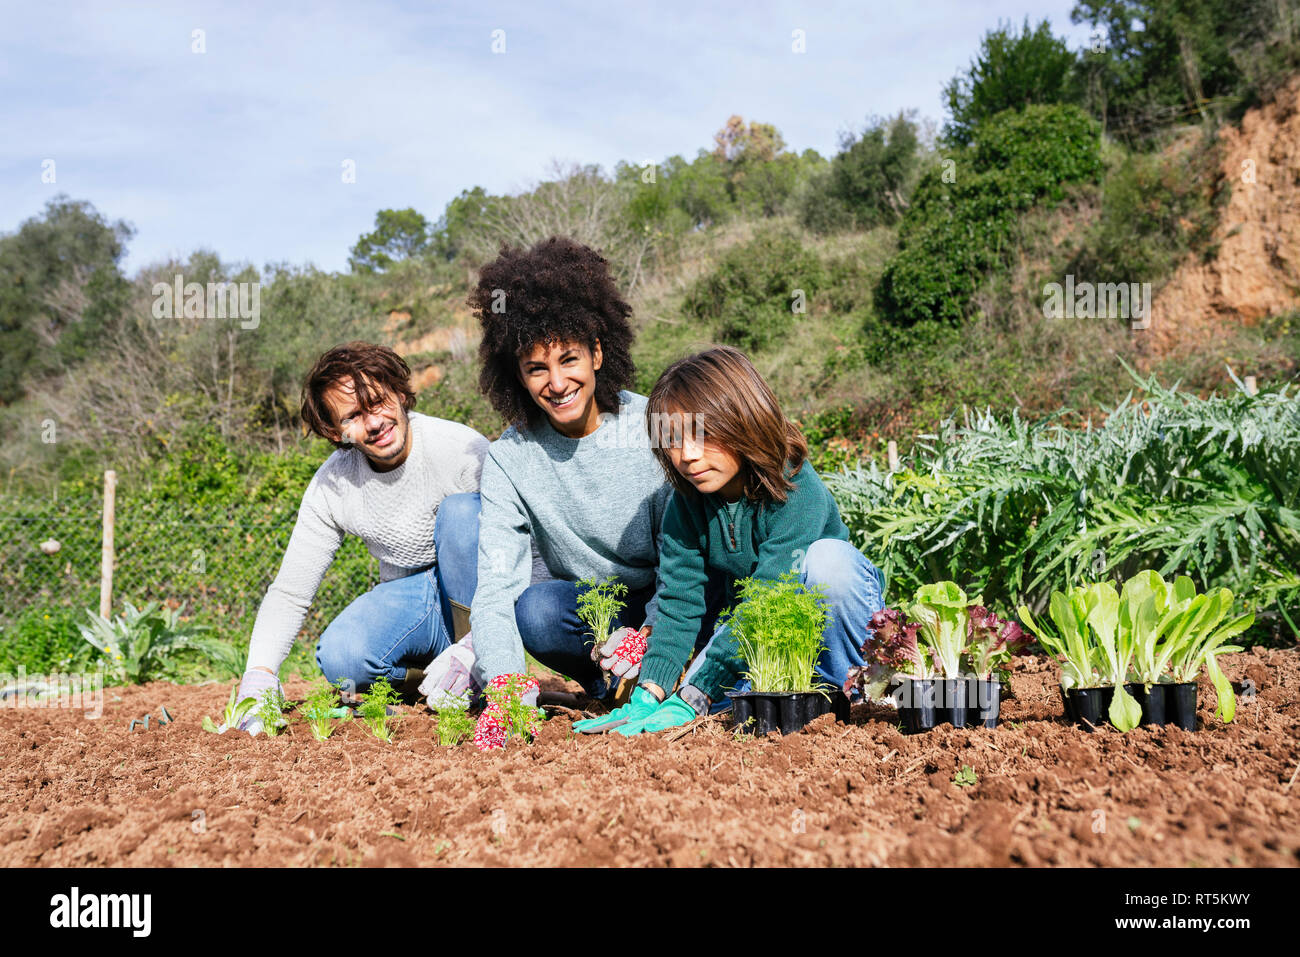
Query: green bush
[[750, 296], [957, 231], [44, 641]]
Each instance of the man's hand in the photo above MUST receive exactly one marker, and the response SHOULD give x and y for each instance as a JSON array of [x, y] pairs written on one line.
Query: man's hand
[[449, 680], [257, 683], [621, 654], [673, 713]]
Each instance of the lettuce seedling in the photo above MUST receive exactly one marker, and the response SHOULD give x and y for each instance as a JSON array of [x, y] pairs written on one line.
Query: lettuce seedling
[[779, 626], [1198, 639], [991, 642], [598, 606], [454, 726], [234, 714], [1071, 647], [890, 649], [941, 611], [374, 709]]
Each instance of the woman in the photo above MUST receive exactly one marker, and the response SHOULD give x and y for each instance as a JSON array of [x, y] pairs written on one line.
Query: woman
[[573, 473]]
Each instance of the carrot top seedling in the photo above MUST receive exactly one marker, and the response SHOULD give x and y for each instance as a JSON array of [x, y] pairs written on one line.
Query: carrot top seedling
[[454, 726], [599, 605], [271, 712], [374, 709], [318, 708], [521, 721], [778, 626], [235, 712]]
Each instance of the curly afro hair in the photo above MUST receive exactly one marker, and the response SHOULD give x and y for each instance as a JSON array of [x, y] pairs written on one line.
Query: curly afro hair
[[557, 291]]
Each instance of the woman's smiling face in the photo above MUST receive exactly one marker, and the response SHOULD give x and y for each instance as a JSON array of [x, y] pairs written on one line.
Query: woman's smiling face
[[561, 378]]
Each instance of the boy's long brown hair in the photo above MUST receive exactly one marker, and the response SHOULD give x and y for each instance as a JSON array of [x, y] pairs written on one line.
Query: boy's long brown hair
[[370, 367], [725, 395]]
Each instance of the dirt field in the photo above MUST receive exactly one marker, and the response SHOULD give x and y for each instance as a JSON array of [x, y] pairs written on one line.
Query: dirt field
[[85, 792]]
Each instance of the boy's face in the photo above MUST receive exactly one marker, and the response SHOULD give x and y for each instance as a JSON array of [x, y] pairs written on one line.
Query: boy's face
[[561, 378], [704, 463], [383, 434]]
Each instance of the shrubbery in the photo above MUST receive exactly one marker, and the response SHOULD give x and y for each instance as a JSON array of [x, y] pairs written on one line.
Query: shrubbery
[[750, 296], [963, 216]]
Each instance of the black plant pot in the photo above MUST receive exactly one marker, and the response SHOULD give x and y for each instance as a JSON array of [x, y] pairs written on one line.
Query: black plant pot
[[785, 712], [1071, 715], [1180, 705], [952, 704], [918, 704], [1091, 706], [983, 701], [1154, 705]]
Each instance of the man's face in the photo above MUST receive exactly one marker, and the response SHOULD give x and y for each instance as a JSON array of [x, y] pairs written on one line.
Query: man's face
[[383, 434]]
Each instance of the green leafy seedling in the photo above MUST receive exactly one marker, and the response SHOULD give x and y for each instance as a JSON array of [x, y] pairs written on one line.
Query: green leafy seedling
[[454, 726], [374, 709], [965, 777], [235, 712], [319, 709]]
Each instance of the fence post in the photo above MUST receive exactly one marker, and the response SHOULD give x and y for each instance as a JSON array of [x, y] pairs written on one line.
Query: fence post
[[106, 556], [1251, 388], [892, 449]]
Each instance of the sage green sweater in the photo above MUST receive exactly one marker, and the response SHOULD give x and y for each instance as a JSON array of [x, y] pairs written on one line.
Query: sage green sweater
[[742, 539]]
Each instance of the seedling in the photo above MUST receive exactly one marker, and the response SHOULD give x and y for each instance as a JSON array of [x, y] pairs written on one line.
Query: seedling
[[454, 726], [966, 777], [598, 606], [319, 709], [778, 626], [374, 709], [271, 712], [520, 721], [234, 714]]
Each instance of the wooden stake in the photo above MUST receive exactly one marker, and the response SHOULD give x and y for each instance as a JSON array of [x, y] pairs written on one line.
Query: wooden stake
[[893, 455], [106, 555], [1251, 388]]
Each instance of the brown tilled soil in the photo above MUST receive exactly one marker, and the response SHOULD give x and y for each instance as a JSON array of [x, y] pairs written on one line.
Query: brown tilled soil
[[86, 792]]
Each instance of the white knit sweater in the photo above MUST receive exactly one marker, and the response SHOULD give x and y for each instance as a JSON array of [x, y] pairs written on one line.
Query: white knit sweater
[[392, 512]]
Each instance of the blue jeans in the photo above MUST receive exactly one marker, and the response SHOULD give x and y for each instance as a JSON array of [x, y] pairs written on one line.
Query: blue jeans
[[405, 623], [547, 616], [854, 590]]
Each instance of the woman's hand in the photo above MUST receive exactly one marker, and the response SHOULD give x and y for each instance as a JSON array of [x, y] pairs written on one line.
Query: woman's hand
[[621, 654]]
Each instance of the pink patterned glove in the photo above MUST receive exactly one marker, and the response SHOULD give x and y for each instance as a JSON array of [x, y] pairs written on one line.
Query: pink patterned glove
[[623, 652]]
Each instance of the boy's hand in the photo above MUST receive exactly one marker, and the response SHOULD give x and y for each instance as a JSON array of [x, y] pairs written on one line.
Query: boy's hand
[[493, 724], [673, 713], [622, 653]]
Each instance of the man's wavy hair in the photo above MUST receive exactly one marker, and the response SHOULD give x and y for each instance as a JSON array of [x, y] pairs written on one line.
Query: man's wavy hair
[[375, 371], [557, 291], [727, 399]]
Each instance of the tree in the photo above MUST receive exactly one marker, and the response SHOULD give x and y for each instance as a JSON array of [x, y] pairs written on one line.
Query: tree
[[399, 234], [60, 290], [869, 180], [1011, 71]]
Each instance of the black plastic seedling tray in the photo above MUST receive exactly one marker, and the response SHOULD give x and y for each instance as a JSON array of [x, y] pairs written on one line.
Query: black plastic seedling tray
[[961, 702], [1162, 704], [760, 712]]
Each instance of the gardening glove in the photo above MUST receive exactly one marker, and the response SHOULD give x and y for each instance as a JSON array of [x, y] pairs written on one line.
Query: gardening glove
[[642, 705], [256, 684], [494, 724], [673, 713], [449, 680], [622, 653]]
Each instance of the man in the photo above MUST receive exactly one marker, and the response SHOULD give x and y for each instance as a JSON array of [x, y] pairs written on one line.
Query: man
[[395, 482]]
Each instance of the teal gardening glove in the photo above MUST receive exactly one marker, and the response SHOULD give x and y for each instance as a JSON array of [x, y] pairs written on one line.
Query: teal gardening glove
[[673, 713], [641, 705]]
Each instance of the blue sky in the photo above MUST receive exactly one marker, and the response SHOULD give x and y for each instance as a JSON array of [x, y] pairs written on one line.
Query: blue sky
[[240, 148]]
